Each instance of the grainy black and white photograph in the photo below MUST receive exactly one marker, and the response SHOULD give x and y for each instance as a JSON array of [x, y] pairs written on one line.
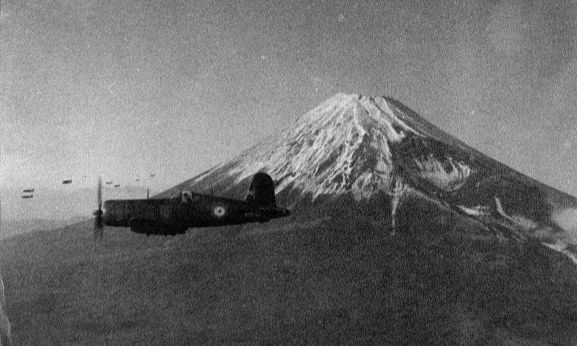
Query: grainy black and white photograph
[[288, 172]]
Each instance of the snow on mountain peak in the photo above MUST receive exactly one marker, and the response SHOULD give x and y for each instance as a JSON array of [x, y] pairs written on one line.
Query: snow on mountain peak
[[341, 146], [364, 145]]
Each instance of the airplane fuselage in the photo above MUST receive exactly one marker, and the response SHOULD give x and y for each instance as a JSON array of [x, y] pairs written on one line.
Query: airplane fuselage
[[176, 215]]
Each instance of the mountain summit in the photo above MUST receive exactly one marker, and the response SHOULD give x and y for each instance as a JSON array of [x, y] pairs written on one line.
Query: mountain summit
[[342, 146], [363, 146]]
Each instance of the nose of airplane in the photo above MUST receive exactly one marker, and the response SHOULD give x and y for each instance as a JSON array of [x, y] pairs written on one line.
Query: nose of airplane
[[110, 214], [117, 212], [105, 212]]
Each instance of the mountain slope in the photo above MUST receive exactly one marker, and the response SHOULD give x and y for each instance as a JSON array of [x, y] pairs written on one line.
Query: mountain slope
[[365, 147], [440, 280]]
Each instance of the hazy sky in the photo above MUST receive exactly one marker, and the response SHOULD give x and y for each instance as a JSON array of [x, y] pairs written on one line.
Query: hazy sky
[[126, 88]]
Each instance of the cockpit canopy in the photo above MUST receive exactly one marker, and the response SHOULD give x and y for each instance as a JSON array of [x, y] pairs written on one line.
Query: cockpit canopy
[[186, 196]]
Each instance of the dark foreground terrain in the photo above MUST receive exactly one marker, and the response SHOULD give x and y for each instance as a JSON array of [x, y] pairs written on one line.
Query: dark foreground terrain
[[439, 280]]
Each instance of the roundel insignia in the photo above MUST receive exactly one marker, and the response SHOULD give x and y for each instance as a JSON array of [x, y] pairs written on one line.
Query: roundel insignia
[[219, 211]]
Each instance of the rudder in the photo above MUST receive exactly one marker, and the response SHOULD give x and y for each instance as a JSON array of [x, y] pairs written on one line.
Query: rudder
[[261, 191]]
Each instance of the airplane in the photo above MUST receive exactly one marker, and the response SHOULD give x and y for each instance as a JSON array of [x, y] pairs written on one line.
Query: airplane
[[186, 209], [67, 181], [27, 196], [28, 190]]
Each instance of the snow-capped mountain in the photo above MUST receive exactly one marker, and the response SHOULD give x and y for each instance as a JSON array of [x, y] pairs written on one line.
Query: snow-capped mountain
[[364, 146], [341, 146]]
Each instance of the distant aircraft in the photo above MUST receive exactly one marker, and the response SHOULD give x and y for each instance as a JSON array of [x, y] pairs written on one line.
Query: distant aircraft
[[28, 190], [188, 209], [116, 185], [108, 183], [67, 181], [27, 196]]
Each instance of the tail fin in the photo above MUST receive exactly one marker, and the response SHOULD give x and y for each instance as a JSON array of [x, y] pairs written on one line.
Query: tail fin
[[261, 191]]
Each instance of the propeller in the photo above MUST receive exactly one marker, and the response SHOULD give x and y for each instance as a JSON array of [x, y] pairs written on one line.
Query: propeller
[[98, 224]]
